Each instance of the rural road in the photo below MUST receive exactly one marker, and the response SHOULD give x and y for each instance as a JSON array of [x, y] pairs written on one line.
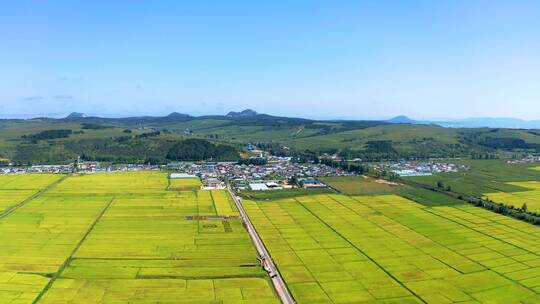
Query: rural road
[[264, 256]]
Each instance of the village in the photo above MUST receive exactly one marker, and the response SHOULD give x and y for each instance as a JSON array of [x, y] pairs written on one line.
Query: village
[[273, 173], [407, 169], [277, 174]]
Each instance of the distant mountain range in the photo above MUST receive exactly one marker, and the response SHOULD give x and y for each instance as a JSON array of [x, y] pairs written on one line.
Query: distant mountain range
[[139, 138], [478, 122]]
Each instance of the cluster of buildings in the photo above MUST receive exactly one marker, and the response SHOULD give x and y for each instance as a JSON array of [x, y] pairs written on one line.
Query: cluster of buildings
[[272, 170], [526, 160], [79, 167], [53, 169], [274, 175], [264, 185], [208, 183], [419, 168]]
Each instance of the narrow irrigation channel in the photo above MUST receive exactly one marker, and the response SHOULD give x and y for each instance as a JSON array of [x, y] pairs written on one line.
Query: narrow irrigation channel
[[278, 282]]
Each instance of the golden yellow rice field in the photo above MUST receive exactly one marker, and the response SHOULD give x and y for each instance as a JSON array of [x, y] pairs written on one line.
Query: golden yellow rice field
[[517, 199], [355, 249], [123, 238]]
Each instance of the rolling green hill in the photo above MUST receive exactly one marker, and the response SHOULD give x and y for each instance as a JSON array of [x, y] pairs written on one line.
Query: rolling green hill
[[139, 139]]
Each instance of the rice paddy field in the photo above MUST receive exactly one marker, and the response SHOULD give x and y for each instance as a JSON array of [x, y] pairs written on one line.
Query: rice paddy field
[[364, 185], [484, 176], [131, 238], [353, 249], [517, 199], [14, 189], [123, 238], [185, 183]]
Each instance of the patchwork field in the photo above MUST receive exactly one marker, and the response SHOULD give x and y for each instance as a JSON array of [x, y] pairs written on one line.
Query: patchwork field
[[126, 184], [282, 194], [349, 249], [484, 176], [363, 185], [517, 199], [123, 238], [37, 239], [14, 189]]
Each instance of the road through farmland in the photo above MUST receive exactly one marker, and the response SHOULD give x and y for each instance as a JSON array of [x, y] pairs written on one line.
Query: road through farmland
[[277, 280]]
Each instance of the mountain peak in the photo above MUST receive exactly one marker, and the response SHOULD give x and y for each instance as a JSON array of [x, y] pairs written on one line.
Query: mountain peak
[[76, 115], [245, 113], [176, 114], [401, 119]]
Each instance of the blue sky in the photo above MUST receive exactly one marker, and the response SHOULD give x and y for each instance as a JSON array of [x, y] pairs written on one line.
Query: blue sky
[[323, 59]]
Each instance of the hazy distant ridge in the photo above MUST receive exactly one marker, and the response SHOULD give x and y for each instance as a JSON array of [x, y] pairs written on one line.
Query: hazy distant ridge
[[475, 122]]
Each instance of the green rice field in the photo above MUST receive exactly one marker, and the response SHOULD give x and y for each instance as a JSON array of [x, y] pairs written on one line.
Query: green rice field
[[131, 238], [364, 185], [354, 249], [124, 238], [15, 189], [517, 199], [484, 176], [185, 183]]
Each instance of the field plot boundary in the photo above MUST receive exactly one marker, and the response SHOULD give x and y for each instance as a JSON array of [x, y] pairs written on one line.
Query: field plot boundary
[[498, 239], [481, 232], [467, 227], [32, 197], [437, 254], [70, 257], [361, 251], [404, 226]]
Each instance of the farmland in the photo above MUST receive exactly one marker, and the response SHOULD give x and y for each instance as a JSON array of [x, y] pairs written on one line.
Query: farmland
[[361, 185], [364, 185], [484, 176], [117, 238], [281, 194], [130, 237], [511, 184], [342, 249], [530, 197], [15, 189], [185, 183]]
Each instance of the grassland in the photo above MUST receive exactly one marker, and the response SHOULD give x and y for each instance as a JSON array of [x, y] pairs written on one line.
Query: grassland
[[350, 249], [403, 135], [129, 139], [123, 238]]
